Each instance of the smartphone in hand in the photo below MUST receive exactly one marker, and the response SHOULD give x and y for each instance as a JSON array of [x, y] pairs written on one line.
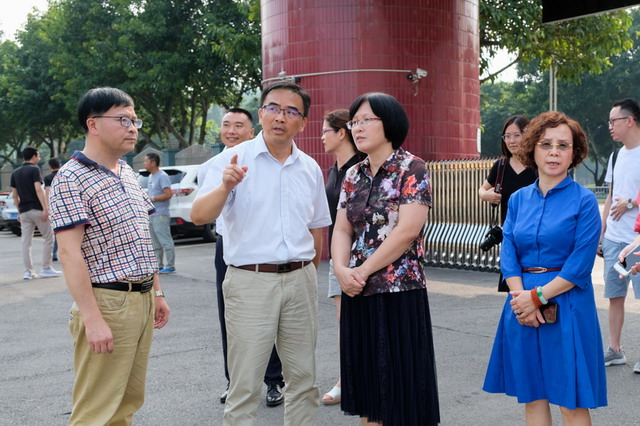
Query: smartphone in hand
[[622, 268]]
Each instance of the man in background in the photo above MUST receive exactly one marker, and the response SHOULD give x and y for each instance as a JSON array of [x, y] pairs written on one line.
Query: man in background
[[159, 190], [618, 219], [54, 165], [29, 197]]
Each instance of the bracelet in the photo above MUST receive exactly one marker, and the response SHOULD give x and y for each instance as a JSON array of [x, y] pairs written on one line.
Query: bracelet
[[541, 296], [535, 298]]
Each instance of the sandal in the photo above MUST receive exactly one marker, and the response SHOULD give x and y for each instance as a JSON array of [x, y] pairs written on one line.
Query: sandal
[[334, 396]]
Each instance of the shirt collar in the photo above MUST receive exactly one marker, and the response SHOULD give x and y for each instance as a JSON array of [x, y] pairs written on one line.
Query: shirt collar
[[391, 163], [563, 184], [261, 148], [83, 159]]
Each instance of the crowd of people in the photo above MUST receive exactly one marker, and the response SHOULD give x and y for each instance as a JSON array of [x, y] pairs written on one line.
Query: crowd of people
[[271, 203]]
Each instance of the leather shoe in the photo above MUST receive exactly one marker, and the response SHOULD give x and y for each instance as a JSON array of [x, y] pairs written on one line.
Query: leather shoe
[[223, 397], [275, 396]]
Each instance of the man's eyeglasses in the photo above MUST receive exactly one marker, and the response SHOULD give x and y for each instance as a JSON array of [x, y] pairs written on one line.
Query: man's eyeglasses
[[612, 121], [274, 111], [364, 122], [511, 137], [560, 146], [124, 120]]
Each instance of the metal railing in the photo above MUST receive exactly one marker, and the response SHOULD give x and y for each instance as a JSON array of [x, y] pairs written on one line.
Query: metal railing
[[459, 220]]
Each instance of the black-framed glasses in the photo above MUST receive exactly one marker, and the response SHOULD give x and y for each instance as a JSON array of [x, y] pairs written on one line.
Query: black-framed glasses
[[364, 122], [547, 146], [508, 136], [124, 120], [275, 111], [325, 131], [612, 121]]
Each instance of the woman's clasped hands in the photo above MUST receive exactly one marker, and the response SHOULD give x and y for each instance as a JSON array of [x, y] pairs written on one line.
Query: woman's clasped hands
[[524, 309], [352, 280]]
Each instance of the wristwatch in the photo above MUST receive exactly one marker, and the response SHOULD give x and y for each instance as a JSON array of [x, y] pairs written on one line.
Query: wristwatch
[[629, 203], [159, 293]]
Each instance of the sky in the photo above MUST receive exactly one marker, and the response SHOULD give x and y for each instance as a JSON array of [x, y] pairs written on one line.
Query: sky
[[13, 15]]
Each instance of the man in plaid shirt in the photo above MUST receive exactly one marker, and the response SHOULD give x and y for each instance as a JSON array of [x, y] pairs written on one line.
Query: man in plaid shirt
[[101, 217]]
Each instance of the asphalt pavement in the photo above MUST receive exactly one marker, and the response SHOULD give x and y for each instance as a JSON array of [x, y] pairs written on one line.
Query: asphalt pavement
[[186, 376]]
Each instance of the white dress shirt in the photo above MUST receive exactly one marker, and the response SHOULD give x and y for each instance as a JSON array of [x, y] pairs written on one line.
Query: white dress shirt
[[267, 217]]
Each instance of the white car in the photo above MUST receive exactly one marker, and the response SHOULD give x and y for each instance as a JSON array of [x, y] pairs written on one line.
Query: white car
[[10, 215], [184, 185]]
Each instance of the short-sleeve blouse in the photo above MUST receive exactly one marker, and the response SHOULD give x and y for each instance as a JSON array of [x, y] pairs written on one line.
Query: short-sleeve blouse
[[372, 204]]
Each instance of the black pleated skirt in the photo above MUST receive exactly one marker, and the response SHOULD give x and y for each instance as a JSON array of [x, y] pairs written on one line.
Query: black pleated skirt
[[387, 364]]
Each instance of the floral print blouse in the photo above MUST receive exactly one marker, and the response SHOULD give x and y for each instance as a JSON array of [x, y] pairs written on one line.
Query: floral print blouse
[[372, 204]]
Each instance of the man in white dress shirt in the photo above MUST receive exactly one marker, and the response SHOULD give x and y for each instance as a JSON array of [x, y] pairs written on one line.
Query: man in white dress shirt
[[272, 199]]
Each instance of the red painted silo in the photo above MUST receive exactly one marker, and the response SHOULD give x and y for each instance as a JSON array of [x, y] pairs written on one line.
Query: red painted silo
[[339, 49]]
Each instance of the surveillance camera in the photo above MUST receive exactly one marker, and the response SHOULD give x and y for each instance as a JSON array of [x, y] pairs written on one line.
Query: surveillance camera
[[421, 73]]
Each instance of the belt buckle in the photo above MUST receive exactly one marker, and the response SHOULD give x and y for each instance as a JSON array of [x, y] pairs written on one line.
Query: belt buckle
[[284, 267], [146, 286], [538, 270]]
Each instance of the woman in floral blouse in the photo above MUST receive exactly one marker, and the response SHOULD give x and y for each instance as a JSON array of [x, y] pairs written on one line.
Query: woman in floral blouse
[[386, 345]]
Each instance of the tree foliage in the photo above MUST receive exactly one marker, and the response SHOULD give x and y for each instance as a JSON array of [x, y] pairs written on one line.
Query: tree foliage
[[575, 48], [175, 58], [588, 100]]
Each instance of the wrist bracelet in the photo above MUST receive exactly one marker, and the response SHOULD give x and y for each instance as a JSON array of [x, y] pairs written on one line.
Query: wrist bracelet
[[541, 296], [535, 298]]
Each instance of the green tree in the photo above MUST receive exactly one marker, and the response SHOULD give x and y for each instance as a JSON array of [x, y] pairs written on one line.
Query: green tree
[[575, 48]]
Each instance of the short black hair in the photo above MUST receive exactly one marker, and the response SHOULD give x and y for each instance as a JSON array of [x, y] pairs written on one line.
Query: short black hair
[[394, 118], [99, 100], [54, 163], [152, 156], [240, 111], [631, 107], [28, 153], [292, 87]]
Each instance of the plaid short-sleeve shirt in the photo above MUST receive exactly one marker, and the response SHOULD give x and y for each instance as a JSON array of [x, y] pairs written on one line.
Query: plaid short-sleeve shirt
[[115, 213]]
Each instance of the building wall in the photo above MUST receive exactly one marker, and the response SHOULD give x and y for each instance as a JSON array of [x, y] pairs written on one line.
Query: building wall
[[351, 47]]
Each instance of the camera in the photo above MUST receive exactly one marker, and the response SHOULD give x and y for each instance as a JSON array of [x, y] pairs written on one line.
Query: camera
[[492, 238]]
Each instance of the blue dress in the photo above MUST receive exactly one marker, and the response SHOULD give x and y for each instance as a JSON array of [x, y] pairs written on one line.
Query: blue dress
[[561, 362]]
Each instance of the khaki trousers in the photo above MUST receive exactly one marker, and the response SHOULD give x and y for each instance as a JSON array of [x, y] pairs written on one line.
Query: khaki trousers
[[29, 220], [109, 388], [260, 309]]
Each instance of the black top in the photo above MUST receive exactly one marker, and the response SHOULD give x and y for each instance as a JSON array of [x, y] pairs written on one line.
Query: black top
[[48, 179], [333, 186], [511, 182], [23, 179]]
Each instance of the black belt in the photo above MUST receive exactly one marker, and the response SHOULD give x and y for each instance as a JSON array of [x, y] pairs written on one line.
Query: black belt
[[273, 268], [142, 286]]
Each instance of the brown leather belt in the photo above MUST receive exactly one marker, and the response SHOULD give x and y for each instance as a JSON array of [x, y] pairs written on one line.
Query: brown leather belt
[[540, 270], [274, 268], [142, 286]]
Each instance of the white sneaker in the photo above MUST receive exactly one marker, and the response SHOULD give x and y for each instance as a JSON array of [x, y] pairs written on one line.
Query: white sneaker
[[636, 368], [28, 275], [50, 272]]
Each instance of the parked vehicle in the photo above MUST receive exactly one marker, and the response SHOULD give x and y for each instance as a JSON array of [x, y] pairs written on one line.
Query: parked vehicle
[[3, 204], [10, 215], [184, 185]]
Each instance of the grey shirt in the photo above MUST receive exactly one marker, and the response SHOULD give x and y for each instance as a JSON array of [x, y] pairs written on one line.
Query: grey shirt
[[157, 182]]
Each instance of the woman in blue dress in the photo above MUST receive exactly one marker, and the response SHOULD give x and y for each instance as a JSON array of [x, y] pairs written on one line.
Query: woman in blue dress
[[550, 240]]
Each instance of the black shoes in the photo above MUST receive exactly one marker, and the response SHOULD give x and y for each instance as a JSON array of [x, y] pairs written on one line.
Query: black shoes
[[275, 396], [223, 397]]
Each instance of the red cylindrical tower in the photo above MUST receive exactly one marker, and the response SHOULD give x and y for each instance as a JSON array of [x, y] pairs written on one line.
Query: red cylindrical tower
[[339, 49]]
